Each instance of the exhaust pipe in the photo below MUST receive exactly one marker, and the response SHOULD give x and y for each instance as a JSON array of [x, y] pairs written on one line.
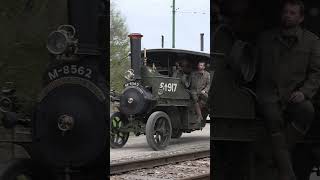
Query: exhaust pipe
[[136, 61], [162, 41], [201, 41]]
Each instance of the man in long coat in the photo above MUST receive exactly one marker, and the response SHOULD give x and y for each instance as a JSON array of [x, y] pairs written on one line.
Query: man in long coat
[[288, 76]]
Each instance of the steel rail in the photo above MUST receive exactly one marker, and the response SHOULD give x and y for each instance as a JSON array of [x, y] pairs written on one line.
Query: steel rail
[[121, 167], [198, 177]]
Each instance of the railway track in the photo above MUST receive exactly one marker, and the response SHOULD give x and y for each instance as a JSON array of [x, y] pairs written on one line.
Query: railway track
[[116, 168], [196, 177], [205, 176], [164, 164]]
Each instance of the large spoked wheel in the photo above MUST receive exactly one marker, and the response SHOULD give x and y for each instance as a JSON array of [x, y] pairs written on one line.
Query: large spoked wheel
[[118, 138], [16, 169], [158, 130], [176, 133]]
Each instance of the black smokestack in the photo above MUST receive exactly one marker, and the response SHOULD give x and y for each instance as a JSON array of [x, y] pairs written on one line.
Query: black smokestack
[[136, 62]]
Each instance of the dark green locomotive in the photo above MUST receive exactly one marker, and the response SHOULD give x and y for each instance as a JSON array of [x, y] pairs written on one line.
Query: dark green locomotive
[[153, 102]]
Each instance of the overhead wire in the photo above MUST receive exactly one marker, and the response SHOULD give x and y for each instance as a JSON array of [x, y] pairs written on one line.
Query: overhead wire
[[192, 12]]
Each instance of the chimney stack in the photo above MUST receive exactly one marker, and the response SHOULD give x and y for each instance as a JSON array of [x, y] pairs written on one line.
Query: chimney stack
[[136, 61]]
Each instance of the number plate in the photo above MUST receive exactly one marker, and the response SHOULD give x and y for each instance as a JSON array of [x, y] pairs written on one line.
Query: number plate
[[131, 84], [168, 87], [70, 70]]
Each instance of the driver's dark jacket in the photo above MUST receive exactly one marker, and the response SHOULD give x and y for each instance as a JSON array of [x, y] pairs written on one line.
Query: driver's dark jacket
[[284, 67]]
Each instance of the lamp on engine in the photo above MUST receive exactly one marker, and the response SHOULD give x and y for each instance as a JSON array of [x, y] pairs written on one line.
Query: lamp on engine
[[62, 41]]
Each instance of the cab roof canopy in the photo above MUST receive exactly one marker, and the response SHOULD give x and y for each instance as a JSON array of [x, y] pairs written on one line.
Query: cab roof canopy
[[167, 57]]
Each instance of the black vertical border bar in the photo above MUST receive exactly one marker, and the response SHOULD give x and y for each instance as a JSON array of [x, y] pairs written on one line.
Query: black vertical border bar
[[106, 42], [211, 63]]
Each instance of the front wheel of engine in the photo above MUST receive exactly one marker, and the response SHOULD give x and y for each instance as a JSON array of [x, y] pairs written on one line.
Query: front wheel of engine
[[118, 138], [158, 130]]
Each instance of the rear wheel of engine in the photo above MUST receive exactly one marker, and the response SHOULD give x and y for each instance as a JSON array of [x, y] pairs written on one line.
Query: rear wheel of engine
[[118, 138], [158, 130], [176, 133]]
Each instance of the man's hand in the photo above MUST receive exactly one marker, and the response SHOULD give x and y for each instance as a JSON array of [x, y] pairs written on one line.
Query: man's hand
[[203, 92], [296, 97]]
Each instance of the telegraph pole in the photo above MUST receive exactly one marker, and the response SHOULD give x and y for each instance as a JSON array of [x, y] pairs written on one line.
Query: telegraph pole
[[173, 22]]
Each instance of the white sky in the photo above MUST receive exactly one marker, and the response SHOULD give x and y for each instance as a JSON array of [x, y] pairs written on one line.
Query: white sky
[[153, 18]]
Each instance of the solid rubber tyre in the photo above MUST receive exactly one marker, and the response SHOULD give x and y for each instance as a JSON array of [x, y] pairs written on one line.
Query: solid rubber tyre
[[158, 130]]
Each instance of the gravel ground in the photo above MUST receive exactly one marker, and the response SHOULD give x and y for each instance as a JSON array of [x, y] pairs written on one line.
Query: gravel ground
[[314, 176], [171, 171], [138, 148]]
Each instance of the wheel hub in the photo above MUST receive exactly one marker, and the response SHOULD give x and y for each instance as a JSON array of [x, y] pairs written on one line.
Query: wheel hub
[[65, 123]]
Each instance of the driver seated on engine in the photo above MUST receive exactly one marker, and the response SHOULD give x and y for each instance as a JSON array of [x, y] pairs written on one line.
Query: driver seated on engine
[[199, 87]]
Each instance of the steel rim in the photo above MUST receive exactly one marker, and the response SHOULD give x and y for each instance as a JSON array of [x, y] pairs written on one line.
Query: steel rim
[[161, 131]]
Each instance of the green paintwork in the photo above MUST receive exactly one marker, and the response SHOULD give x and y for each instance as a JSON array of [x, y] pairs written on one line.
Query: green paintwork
[[153, 79]]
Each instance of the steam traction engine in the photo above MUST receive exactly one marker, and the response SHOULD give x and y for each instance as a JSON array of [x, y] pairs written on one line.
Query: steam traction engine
[[69, 123], [154, 102]]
